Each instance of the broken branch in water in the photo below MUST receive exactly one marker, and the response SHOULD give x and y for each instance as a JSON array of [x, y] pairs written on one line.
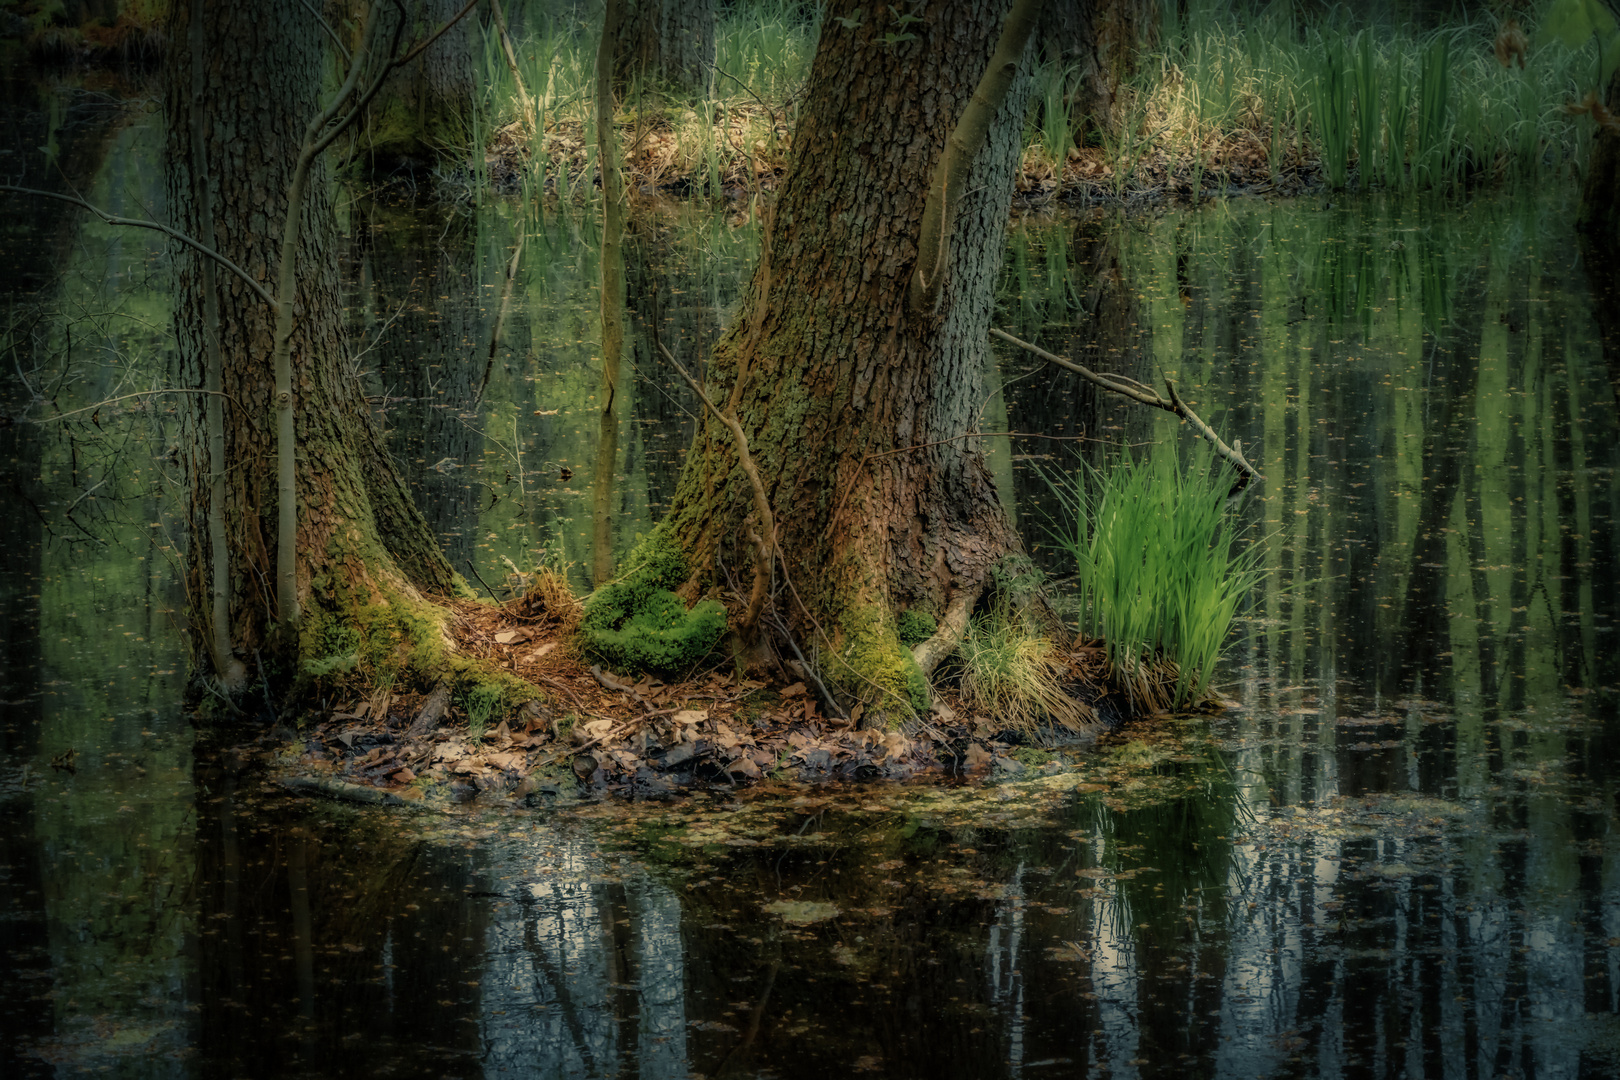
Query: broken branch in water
[[1144, 395]]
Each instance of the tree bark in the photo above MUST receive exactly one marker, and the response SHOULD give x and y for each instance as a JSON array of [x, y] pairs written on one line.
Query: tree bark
[[361, 543], [670, 42], [422, 112], [858, 413], [1101, 39]]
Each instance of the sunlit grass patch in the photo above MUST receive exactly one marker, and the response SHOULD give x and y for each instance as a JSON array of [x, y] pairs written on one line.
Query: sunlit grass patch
[[1016, 674]]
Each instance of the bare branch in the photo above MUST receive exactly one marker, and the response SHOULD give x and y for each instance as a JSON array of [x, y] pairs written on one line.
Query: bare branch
[[141, 223], [764, 543], [126, 397], [1142, 395]]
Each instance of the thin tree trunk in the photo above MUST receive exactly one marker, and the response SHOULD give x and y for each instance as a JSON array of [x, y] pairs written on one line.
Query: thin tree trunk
[[607, 443]]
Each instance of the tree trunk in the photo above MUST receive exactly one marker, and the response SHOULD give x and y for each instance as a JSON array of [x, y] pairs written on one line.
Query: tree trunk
[[857, 411], [363, 549], [422, 113], [1599, 215], [670, 42], [1101, 39]]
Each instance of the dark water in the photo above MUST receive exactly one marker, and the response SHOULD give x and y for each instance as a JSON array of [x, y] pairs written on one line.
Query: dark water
[[1394, 855]]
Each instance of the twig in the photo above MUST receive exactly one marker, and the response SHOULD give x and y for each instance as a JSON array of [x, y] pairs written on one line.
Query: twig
[[1141, 394], [765, 541], [125, 397], [141, 223], [482, 582], [810, 672]]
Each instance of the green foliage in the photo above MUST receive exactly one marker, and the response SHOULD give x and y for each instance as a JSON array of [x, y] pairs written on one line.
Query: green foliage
[[637, 623], [915, 627], [1160, 581], [1330, 113], [481, 700]]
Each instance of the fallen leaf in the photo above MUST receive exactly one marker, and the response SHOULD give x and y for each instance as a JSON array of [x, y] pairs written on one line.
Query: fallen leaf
[[744, 766], [977, 758], [403, 776], [540, 653], [793, 691], [802, 912], [689, 716]]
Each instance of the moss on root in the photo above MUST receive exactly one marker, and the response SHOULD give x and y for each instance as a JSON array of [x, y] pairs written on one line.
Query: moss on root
[[875, 668]]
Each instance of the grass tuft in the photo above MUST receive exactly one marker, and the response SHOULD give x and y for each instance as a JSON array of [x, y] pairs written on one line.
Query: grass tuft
[[1160, 573], [1017, 675]]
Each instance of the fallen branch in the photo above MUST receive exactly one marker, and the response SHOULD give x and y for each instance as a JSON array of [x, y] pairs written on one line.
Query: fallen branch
[[1145, 395]]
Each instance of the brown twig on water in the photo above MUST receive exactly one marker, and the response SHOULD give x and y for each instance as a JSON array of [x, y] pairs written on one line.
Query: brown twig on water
[[1145, 395]]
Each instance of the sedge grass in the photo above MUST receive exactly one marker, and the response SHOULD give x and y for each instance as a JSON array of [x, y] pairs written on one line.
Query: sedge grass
[[1014, 673], [1160, 570]]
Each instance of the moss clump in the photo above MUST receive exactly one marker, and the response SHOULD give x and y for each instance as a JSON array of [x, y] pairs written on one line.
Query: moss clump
[[915, 627], [637, 623], [877, 668]]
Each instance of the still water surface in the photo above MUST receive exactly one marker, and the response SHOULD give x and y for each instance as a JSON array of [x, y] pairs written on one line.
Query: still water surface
[[1395, 855]]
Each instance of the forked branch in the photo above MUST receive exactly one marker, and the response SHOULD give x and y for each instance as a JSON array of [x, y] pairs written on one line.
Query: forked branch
[[1145, 395]]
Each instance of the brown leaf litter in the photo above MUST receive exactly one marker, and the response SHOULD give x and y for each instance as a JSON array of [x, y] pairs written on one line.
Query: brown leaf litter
[[635, 737]]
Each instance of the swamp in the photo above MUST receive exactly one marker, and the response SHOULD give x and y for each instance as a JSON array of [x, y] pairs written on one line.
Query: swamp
[[1371, 830]]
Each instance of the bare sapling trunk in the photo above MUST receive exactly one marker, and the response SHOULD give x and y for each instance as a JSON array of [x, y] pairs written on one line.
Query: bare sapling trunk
[[612, 305]]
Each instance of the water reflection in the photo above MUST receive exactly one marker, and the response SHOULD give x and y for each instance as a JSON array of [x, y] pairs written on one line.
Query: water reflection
[[1396, 854]]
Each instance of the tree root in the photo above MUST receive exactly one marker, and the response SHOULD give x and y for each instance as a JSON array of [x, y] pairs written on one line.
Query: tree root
[[928, 654]]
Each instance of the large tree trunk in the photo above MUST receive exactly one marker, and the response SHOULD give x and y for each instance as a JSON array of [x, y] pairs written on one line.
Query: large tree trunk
[[856, 409], [362, 544], [670, 42]]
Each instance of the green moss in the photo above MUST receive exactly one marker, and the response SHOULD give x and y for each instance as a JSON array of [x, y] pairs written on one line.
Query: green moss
[[1032, 756], [637, 623], [877, 669], [915, 627]]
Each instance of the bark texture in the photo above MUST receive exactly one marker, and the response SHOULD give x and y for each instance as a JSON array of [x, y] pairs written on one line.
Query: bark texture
[[422, 112], [855, 410], [1101, 39], [669, 42], [361, 540]]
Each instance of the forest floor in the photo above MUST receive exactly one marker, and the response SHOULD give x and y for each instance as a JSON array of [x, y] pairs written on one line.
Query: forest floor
[[594, 733]]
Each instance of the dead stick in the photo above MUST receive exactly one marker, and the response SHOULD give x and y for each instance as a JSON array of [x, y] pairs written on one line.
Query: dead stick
[[1142, 395], [762, 504]]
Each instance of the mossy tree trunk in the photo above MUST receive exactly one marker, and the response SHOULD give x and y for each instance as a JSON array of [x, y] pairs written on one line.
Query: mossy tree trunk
[[667, 42], [859, 410], [364, 552], [425, 110]]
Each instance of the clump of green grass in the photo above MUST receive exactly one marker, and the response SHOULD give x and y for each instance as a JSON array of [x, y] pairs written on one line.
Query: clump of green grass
[[1015, 673], [1161, 572]]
